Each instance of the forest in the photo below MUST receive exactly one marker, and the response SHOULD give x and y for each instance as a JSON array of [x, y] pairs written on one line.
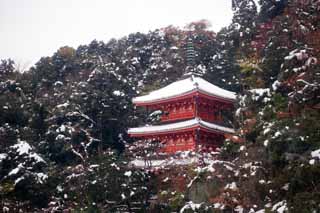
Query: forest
[[63, 123]]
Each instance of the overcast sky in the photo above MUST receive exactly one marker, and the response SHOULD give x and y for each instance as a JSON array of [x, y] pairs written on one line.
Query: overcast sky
[[30, 29]]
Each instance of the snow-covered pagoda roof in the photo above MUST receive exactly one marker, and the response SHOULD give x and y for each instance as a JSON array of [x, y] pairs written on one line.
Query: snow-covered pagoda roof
[[173, 127], [183, 88]]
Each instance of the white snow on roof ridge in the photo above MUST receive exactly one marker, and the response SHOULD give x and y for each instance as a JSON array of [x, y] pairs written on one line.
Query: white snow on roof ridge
[[178, 126], [163, 127], [216, 126], [185, 86]]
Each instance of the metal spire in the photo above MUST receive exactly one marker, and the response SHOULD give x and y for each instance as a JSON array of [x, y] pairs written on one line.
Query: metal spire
[[191, 69], [190, 53]]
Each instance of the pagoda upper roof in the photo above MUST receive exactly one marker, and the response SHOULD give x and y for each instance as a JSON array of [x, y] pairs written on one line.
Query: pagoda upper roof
[[185, 87], [174, 127]]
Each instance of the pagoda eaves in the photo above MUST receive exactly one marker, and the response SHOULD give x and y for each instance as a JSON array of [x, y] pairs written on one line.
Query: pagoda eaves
[[195, 123], [183, 89]]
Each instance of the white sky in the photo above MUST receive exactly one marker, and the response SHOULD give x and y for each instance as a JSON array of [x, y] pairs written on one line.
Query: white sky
[[30, 29]]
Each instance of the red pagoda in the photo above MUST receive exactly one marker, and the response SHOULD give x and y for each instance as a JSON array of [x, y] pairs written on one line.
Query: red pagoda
[[191, 115]]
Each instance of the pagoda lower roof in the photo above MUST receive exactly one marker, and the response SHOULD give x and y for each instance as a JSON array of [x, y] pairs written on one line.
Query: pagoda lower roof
[[178, 127], [184, 87]]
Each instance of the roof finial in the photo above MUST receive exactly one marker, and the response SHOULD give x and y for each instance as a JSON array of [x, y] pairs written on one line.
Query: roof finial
[[190, 53], [191, 69]]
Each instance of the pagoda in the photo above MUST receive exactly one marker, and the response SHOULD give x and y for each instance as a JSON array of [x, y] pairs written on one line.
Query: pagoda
[[191, 115]]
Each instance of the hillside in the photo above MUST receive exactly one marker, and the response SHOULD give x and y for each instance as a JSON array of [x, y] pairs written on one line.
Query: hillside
[[63, 122]]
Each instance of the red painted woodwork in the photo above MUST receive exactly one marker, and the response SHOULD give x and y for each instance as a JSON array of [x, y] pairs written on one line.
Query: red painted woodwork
[[198, 106], [188, 106], [177, 110], [193, 138]]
